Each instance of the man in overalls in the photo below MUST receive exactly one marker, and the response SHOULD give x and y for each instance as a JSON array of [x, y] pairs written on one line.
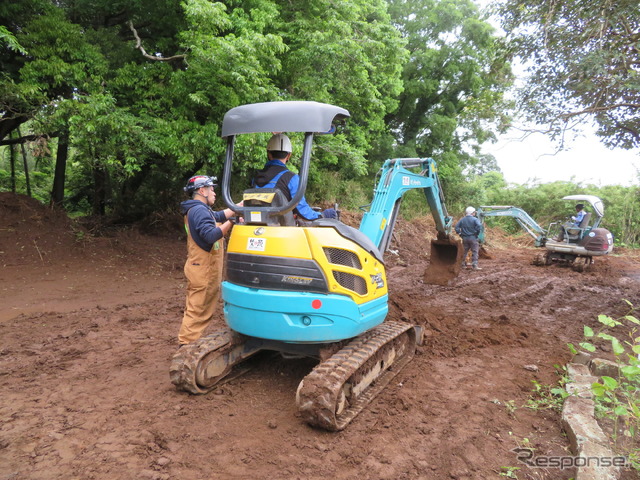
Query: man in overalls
[[205, 254]]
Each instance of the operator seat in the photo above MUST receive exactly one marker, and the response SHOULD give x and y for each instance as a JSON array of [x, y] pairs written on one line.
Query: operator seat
[[278, 199]]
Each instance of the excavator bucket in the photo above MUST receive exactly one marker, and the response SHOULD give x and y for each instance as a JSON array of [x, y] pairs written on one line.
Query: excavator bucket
[[445, 261]]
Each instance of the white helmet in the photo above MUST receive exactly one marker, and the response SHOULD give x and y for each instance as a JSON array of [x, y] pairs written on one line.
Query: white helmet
[[280, 143], [469, 211]]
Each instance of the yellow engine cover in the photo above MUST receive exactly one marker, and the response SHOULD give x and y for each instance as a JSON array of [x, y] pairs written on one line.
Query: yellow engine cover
[[349, 269]]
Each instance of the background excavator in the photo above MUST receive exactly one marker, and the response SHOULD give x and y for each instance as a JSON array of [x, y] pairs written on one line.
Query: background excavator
[[576, 246], [318, 290]]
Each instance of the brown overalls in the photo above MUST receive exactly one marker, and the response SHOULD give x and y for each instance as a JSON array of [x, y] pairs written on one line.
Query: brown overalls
[[204, 275]]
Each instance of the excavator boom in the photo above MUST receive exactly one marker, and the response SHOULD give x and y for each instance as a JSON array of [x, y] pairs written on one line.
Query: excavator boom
[[379, 221], [527, 223]]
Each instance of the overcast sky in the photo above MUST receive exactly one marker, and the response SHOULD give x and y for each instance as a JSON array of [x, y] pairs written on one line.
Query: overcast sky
[[586, 160]]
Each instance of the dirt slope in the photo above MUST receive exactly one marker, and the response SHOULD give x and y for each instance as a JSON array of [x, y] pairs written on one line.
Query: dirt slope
[[88, 328]]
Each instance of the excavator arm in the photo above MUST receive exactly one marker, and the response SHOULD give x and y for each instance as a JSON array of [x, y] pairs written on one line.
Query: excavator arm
[[527, 223], [379, 221], [394, 181]]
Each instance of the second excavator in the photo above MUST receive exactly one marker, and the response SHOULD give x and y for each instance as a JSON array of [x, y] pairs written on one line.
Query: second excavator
[[577, 245], [318, 290]]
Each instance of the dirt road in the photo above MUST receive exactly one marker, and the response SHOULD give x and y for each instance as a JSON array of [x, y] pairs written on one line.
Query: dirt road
[[88, 329]]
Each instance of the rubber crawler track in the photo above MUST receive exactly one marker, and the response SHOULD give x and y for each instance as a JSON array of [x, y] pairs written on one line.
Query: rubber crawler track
[[184, 365], [320, 391]]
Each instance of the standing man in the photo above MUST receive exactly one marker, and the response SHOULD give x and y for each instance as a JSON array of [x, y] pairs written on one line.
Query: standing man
[[469, 227], [275, 174], [205, 253]]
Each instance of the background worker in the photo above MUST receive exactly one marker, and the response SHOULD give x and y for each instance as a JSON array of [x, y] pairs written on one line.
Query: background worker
[[469, 228], [275, 174], [205, 253]]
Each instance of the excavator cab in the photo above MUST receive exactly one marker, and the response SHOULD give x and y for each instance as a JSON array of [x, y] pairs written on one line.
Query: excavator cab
[[569, 233], [310, 118]]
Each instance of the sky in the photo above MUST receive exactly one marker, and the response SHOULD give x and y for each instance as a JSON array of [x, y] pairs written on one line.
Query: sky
[[586, 159]]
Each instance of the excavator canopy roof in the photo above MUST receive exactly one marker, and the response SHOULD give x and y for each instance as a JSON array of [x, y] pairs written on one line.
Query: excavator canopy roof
[[286, 116], [595, 202]]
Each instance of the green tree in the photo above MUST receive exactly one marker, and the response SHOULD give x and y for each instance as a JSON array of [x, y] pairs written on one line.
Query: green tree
[[455, 80], [137, 90], [131, 95], [19, 100], [582, 62], [349, 54], [134, 118]]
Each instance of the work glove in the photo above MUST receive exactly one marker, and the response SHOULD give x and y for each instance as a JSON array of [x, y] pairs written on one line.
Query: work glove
[[330, 213]]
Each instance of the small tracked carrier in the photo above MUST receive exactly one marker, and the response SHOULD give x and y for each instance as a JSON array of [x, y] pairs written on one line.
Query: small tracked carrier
[[317, 290]]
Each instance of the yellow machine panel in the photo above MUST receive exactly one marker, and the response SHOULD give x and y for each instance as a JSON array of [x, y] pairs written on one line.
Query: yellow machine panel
[[349, 269], [272, 241]]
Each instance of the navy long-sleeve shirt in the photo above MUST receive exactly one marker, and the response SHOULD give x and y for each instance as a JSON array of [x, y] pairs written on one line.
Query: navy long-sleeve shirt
[[469, 226], [202, 223]]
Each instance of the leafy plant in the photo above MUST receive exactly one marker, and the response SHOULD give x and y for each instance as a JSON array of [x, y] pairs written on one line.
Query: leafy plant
[[617, 398], [547, 396], [509, 472]]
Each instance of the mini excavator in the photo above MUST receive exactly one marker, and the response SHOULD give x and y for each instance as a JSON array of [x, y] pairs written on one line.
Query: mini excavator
[[317, 290], [577, 245]]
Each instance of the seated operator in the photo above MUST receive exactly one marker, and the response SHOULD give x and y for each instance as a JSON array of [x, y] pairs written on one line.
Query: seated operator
[[275, 174], [574, 223]]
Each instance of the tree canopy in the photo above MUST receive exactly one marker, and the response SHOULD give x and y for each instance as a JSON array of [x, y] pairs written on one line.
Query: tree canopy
[[126, 98], [583, 62]]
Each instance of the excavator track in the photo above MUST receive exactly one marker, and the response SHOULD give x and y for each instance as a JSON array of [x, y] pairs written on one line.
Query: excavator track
[[340, 387], [202, 365]]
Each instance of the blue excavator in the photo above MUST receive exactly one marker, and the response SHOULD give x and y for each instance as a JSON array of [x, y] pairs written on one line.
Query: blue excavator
[[315, 289], [564, 242]]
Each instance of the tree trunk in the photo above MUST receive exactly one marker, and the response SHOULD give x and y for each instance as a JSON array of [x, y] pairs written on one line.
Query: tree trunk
[[26, 165], [12, 162], [99, 189], [57, 192]]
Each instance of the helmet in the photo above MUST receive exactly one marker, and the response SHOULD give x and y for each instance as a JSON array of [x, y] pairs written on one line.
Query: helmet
[[199, 181], [469, 211], [279, 143]]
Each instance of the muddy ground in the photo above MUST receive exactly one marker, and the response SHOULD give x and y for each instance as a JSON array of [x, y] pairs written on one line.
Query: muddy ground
[[88, 327]]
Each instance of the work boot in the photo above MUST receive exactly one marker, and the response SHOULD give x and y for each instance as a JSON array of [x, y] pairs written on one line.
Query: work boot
[[476, 267], [464, 265]]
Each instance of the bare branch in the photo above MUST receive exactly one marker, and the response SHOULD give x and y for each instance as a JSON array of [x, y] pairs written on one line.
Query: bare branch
[[27, 138], [145, 54], [603, 108]]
